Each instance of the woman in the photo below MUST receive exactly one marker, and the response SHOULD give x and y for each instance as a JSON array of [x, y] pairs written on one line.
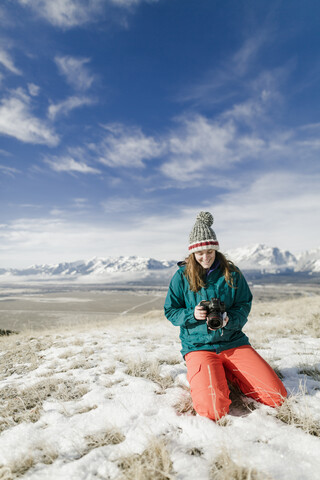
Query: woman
[[214, 356]]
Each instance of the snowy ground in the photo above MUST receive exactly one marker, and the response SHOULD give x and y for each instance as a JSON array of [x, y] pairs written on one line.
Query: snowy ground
[[106, 402]]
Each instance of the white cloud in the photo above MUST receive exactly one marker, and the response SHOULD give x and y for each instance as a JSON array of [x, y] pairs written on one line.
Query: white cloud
[[247, 53], [66, 106], [33, 89], [127, 204], [17, 120], [130, 3], [70, 165], [72, 13], [10, 171], [237, 75], [7, 62], [80, 202], [54, 239], [199, 145], [200, 149], [5, 153], [127, 147], [75, 71], [64, 13], [278, 209]]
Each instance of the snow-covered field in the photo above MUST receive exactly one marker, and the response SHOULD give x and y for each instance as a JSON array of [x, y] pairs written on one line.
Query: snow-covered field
[[112, 402]]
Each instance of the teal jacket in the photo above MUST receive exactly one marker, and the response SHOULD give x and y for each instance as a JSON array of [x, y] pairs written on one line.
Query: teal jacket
[[194, 335]]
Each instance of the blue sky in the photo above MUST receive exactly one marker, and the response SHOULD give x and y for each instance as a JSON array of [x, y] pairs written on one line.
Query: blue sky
[[121, 119]]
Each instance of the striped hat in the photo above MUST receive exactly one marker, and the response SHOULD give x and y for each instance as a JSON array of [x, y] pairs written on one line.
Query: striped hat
[[202, 237]]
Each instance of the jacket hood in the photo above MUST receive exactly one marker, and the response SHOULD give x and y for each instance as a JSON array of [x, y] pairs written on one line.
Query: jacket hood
[[181, 264]]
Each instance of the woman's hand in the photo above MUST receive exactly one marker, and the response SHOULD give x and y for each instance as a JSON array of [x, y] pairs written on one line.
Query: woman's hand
[[225, 321], [200, 313]]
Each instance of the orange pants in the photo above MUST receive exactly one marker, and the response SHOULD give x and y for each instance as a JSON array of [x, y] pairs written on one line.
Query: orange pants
[[208, 372]]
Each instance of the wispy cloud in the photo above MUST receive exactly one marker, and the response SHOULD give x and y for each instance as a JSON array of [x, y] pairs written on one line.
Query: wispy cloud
[[7, 62], [80, 203], [5, 153], [33, 89], [129, 204], [241, 61], [18, 121], [56, 238], [232, 77], [75, 70], [126, 147], [10, 171], [66, 106], [200, 149], [196, 145], [64, 13], [273, 208], [71, 13], [70, 165]]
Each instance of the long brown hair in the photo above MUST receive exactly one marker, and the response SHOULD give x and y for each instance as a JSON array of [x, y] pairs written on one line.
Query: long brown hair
[[196, 274]]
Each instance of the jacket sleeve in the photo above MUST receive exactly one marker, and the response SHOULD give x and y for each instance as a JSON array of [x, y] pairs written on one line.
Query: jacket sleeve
[[240, 309], [175, 307]]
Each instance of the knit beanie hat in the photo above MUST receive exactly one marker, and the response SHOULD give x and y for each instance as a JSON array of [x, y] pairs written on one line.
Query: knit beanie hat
[[202, 237]]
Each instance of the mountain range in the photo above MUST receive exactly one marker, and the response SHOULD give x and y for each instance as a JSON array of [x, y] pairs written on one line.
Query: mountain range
[[260, 259]]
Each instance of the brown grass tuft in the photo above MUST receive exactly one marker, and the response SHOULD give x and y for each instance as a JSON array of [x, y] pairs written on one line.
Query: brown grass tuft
[[312, 371], [45, 454], [21, 356], [283, 317], [224, 468], [26, 405], [289, 414], [184, 405], [113, 436], [150, 371], [153, 464]]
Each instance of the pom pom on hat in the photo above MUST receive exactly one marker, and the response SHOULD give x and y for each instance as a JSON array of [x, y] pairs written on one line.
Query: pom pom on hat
[[205, 217], [202, 237]]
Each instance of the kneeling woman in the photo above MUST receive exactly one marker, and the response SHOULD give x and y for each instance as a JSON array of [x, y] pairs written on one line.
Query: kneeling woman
[[215, 356]]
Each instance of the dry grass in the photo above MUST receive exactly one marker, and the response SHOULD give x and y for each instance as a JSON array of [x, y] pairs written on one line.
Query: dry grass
[[150, 371], [81, 363], [295, 316], [110, 370], [113, 436], [22, 354], [224, 468], [184, 405], [290, 413], [312, 371], [170, 361], [45, 454], [153, 464], [25, 405]]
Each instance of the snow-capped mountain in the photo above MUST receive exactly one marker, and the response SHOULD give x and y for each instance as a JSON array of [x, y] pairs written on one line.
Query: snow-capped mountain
[[106, 270], [97, 266], [264, 258], [257, 258], [309, 261]]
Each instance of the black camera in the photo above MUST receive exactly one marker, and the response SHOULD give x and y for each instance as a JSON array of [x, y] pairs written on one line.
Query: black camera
[[215, 310]]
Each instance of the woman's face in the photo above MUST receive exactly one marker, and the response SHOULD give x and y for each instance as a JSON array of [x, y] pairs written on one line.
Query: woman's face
[[205, 258]]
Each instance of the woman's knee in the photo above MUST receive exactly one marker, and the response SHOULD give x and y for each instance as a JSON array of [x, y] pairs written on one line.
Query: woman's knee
[[212, 406], [274, 397], [278, 398]]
